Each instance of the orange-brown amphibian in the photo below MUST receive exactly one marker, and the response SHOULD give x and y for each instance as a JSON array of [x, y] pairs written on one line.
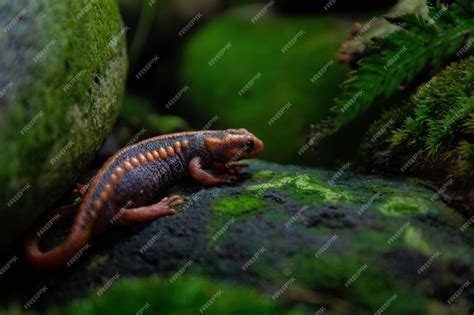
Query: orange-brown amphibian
[[137, 173]]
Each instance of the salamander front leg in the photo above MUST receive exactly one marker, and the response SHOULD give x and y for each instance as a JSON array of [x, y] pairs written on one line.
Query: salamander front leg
[[149, 213], [204, 177], [230, 167]]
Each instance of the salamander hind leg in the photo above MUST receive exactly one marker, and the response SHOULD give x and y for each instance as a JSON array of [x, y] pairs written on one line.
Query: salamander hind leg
[[149, 213]]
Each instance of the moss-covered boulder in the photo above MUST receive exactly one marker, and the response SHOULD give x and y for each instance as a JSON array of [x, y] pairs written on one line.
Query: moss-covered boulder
[[285, 239], [62, 73], [277, 75]]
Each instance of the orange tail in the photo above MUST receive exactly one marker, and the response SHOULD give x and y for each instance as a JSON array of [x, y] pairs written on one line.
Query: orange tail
[[63, 253]]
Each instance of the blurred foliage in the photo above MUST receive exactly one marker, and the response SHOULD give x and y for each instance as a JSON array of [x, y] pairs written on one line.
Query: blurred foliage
[[284, 77], [187, 295], [439, 120], [139, 113]]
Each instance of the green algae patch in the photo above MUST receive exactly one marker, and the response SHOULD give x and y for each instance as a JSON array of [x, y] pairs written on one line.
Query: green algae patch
[[239, 205], [263, 174], [305, 188], [413, 238], [403, 206], [186, 295]]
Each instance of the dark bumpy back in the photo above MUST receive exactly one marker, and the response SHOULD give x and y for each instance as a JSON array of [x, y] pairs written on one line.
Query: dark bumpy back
[[116, 186]]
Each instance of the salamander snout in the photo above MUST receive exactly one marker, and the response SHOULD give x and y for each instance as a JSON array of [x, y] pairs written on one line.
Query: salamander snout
[[234, 145]]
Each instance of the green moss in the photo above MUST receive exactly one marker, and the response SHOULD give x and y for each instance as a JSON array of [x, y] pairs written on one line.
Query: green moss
[[76, 117], [404, 206], [437, 123], [305, 188], [328, 275], [187, 295], [261, 175], [239, 205], [281, 80], [413, 238]]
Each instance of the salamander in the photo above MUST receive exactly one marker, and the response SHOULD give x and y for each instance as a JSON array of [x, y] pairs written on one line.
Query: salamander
[[125, 187]]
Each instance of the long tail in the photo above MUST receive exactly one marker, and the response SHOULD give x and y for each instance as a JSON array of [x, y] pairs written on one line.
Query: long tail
[[64, 252]]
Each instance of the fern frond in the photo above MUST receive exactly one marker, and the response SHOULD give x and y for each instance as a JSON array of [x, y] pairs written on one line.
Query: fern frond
[[402, 56]]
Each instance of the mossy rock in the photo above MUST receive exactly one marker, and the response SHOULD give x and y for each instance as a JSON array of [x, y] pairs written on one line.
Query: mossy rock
[[433, 134], [346, 243], [254, 56], [62, 74]]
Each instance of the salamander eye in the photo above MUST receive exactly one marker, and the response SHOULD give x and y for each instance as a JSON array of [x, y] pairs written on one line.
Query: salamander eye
[[249, 146]]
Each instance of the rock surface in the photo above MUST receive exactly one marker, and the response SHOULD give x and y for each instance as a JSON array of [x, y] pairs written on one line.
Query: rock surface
[[62, 74], [345, 242]]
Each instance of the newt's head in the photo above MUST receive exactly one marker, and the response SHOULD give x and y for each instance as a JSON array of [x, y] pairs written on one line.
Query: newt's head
[[234, 145]]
